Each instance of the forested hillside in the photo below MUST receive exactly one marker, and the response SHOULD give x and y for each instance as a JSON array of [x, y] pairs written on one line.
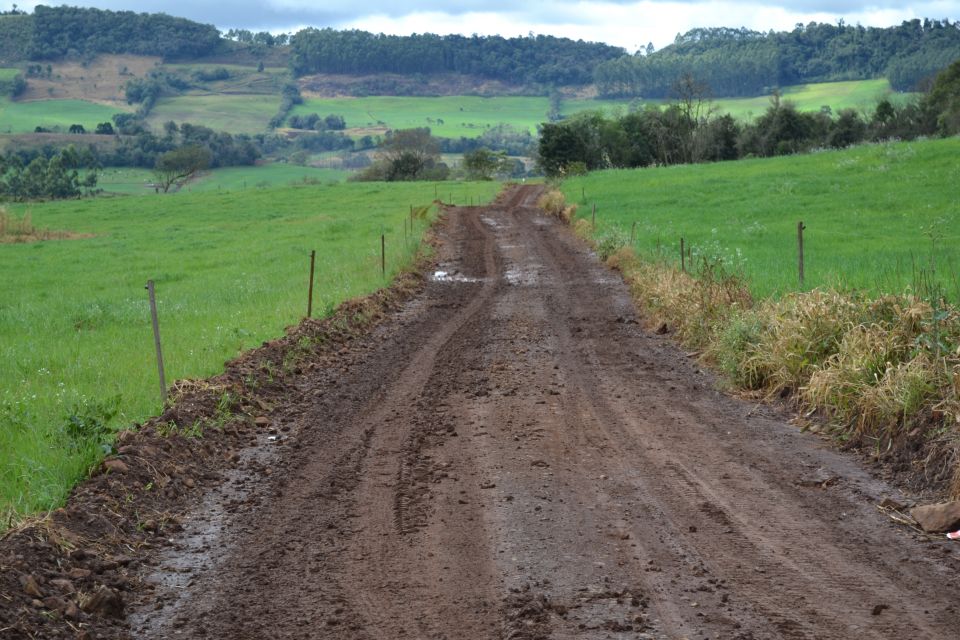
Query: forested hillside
[[60, 31], [740, 62], [536, 59]]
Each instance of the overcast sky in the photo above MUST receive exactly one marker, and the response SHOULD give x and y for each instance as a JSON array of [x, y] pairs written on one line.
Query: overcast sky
[[626, 23]]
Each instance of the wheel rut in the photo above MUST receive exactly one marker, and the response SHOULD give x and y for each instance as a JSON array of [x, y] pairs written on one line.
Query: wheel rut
[[513, 457]]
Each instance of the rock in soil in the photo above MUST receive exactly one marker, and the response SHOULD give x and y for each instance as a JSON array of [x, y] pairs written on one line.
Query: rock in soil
[[938, 518]]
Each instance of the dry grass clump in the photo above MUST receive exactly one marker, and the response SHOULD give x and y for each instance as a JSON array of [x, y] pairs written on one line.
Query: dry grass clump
[[555, 203], [19, 230], [792, 335], [694, 308]]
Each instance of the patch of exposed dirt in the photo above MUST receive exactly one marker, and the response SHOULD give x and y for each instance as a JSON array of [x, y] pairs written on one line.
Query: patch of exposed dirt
[[42, 235], [505, 454], [101, 81]]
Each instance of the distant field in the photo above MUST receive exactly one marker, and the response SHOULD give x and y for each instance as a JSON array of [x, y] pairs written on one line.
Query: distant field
[[138, 181], [875, 215], [24, 117], [470, 116], [8, 74], [248, 100], [447, 116], [243, 79], [861, 94], [233, 113], [231, 271]]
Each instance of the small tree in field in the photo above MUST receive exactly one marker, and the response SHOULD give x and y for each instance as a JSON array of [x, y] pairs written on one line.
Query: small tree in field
[[483, 164], [178, 166]]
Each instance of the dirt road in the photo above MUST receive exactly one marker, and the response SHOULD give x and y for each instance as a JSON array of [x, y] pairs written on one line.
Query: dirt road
[[512, 456]]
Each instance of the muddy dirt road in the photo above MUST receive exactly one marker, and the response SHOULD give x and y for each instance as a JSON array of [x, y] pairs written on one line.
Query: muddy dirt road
[[513, 456]]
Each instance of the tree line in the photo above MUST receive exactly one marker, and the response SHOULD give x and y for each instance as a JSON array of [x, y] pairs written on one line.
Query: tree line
[[734, 62], [41, 177], [688, 130], [537, 59], [60, 31], [741, 62]]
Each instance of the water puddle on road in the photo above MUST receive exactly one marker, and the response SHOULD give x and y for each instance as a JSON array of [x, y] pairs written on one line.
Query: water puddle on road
[[452, 276]]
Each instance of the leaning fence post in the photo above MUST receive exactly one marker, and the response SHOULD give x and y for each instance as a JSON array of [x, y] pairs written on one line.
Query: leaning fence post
[[156, 339], [800, 228], [633, 232], [313, 258], [683, 256]]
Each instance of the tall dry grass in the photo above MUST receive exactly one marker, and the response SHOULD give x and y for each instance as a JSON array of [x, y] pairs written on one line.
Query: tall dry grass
[[14, 229]]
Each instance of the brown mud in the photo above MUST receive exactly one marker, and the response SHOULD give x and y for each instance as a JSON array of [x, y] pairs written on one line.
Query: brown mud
[[507, 454]]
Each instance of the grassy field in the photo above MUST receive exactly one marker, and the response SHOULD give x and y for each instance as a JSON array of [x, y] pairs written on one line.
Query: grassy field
[[137, 181], [875, 215], [8, 74], [24, 117], [230, 271], [860, 94], [250, 99], [222, 112], [447, 116], [470, 116]]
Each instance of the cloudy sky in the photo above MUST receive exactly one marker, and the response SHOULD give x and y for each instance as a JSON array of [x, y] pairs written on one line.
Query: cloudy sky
[[626, 23]]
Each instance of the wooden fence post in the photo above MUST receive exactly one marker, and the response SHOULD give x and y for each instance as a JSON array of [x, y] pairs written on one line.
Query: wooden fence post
[[156, 339], [313, 258], [800, 228], [683, 256]]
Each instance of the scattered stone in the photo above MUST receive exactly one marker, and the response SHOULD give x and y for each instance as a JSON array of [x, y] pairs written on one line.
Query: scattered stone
[[30, 586], [877, 610], [72, 611], [78, 573], [938, 518], [54, 603], [663, 329], [115, 466], [105, 602], [261, 421], [64, 585]]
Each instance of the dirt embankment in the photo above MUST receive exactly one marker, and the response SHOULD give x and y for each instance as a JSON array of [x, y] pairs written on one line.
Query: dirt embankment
[[509, 455]]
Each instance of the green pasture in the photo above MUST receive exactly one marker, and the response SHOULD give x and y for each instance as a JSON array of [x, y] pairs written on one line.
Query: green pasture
[[76, 347], [24, 117], [246, 102], [7, 74], [880, 218], [263, 177], [447, 116], [859, 94], [132, 181], [470, 116], [221, 112]]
